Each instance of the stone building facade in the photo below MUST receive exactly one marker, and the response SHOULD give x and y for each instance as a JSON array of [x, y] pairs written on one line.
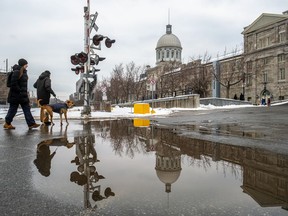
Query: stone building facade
[[266, 57], [258, 72]]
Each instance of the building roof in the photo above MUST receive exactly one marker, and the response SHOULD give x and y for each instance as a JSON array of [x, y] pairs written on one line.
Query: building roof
[[263, 20], [168, 39]]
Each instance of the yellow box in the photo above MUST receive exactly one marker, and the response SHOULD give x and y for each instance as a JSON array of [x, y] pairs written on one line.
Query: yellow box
[[141, 122], [141, 108]]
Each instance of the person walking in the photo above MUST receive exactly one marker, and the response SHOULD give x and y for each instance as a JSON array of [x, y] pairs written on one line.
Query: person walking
[[18, 95], [44, 90]]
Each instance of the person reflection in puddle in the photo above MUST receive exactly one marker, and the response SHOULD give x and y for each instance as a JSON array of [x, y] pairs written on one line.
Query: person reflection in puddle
[[43, 159], [44, 156]]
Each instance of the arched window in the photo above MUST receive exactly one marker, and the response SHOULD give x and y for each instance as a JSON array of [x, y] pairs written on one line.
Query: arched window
[[158, 54], [167, 53]]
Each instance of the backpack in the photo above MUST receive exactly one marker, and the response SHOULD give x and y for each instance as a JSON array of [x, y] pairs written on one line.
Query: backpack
[[9, 77]]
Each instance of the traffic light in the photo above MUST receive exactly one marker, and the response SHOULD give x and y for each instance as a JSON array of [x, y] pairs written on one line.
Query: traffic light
[[78, 69], [97, 38], [83, 57], [79, 58], [95, 61], [109, 42], [74, 60], [94, 70]]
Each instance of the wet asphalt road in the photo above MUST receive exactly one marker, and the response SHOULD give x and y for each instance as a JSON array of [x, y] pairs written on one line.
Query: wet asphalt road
[[18, 149], [261, 126], [17, 152]]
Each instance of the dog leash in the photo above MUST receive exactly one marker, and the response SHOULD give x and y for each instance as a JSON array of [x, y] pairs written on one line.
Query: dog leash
[[56, 99]]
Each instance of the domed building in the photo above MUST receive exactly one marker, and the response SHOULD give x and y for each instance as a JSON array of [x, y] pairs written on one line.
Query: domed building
[[168, 165], [168, 47]]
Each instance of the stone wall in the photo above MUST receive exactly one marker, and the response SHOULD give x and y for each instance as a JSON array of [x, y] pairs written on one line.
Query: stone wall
[[222, 101], [3, 89], [183, 101]]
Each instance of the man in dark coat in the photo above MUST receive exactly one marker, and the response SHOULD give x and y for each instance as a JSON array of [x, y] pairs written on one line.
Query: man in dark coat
[[44, 90], [43, 86], [18, 95]]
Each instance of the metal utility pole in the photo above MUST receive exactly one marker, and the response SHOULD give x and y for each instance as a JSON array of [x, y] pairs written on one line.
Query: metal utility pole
[[86, 60], [6, 65], [86, 108]]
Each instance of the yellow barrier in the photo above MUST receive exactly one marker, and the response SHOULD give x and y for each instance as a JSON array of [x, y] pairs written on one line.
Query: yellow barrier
[[141, 122], [141, 108]]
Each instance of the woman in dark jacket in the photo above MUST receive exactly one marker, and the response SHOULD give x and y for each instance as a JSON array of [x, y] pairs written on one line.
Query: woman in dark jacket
[[18, 95]]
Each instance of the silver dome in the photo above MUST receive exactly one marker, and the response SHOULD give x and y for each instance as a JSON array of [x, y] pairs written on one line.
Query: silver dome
[[169, 40]]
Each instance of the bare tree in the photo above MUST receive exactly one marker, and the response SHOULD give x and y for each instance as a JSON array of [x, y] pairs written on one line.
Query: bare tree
[[171, 79], [117, 84], [199, 79], [122, 86], [132, 77], [231, 71]]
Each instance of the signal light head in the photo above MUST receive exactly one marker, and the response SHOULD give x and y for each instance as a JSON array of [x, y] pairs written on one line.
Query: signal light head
[[109, 42], [101, 58], [78, 69], [74, 59], [97, 38], [95, 61], [83, 57]]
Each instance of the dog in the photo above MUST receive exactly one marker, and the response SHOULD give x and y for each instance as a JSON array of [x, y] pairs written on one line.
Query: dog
[[60, 108]]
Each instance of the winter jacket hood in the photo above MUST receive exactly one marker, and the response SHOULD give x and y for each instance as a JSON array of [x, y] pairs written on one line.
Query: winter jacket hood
[[18, 92], [16, 67], [44, 75], [43, 86]]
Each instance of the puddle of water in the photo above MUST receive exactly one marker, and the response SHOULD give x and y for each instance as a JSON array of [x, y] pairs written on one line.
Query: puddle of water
[[128, 167], [226, 130]]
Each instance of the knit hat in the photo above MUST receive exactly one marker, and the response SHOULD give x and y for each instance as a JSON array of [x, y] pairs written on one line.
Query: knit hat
[[22, 62]]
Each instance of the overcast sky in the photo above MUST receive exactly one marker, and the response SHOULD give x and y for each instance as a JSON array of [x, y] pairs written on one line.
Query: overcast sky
[[47, 32]]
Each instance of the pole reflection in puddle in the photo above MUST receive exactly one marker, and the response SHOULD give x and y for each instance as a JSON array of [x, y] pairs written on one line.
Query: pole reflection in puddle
[[86, 174]]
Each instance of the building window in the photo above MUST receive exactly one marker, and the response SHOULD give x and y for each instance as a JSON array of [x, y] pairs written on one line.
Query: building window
[[265, 77], [248, 80], [282, 37], [268, 41], [281, 58], [172, 54], [167, 53], [249, 65], [281, 74], [261, 43], [265, 61], [158, 54]]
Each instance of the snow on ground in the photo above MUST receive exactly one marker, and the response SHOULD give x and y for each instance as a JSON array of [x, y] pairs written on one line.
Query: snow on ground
[[128, 112]]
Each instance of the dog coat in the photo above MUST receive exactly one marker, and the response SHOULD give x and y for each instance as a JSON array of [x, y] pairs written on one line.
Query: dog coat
[[58, 106]]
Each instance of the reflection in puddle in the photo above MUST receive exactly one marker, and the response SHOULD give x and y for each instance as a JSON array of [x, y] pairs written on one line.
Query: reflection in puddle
[[225, 129], [125, 168]]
